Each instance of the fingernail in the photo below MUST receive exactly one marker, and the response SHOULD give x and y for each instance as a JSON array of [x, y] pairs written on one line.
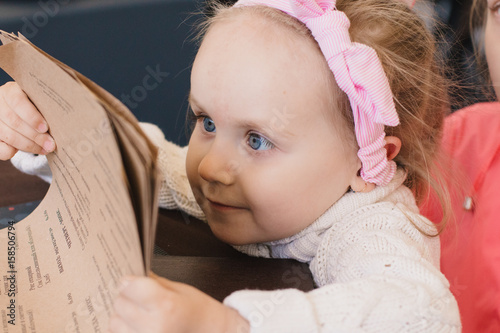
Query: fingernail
[[49, 145], [124, 282], [42, 128]]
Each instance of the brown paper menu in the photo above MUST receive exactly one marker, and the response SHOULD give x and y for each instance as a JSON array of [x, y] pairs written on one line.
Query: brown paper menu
[[96, 224]]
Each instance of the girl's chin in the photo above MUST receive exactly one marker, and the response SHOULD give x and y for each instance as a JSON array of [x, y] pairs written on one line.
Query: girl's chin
[[225, 235]]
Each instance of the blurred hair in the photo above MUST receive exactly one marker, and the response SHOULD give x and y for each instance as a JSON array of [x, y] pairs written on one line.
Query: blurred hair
[[477, 23]]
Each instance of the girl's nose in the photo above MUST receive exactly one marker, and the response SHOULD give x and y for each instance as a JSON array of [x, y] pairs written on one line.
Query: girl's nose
[[218, 166]]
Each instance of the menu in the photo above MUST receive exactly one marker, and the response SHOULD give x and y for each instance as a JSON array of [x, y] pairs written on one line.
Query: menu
[[60, 267]]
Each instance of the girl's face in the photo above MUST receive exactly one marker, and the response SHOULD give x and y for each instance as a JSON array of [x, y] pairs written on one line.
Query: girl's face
[[265, 158], [492, 42]]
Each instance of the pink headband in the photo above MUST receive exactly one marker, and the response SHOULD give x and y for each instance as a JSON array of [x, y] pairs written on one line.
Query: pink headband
[[358, 72]]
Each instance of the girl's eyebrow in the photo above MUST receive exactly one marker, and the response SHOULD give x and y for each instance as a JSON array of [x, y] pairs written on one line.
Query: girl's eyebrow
[[276, 126], [272, 129]]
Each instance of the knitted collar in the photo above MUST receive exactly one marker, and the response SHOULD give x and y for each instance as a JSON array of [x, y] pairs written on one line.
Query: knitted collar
[[303, 245]]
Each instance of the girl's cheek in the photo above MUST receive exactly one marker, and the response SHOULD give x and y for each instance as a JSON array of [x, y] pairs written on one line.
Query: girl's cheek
[[192, 164]]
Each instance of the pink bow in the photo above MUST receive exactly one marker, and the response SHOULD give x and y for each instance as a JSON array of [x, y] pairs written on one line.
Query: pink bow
[[358, 72]]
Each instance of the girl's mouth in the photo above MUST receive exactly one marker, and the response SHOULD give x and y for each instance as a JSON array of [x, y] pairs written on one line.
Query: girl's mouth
[[222, 207]]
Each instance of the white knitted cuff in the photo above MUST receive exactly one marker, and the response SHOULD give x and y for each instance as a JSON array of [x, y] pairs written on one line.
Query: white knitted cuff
[[154, 133], [286, 310], [33, 165]]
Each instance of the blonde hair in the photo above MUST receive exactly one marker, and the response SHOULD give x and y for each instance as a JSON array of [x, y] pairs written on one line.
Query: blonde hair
[[407, 52]]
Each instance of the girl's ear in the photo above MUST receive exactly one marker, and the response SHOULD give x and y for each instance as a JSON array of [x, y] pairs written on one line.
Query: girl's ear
[[392, 146]]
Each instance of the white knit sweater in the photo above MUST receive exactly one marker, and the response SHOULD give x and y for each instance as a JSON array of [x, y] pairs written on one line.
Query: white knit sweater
[[375, 271]]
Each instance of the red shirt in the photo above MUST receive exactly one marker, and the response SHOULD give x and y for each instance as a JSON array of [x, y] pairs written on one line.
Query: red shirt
[[470, 245]]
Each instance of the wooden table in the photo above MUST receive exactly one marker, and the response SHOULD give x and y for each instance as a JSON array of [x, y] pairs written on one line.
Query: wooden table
[[186, 249]]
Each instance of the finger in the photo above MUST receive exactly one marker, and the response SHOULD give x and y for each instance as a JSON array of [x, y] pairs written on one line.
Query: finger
[[130, 314], [166, 283], [18, 141], [117, 325], [18, 101], [6, 151], [144, 291], [11, 119], [161, 280]]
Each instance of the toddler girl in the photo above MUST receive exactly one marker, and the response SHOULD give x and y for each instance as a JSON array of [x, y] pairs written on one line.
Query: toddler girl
[[316, 126]]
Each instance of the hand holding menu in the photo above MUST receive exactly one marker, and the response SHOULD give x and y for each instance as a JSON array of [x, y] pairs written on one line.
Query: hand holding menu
[[98, 219]]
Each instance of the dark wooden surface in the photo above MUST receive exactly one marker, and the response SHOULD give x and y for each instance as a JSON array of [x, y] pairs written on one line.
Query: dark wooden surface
[[191, 254], [16, 187], [220, 276]]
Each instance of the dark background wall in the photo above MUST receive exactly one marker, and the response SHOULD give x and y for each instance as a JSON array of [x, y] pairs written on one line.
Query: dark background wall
[[139, 50]]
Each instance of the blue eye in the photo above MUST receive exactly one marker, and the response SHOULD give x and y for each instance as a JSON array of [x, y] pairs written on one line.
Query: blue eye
[[257, 142], [208, 124]]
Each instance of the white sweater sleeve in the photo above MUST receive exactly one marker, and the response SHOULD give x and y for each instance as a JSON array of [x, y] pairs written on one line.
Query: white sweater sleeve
[[175, 192], [32, 164], [380, 282]]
